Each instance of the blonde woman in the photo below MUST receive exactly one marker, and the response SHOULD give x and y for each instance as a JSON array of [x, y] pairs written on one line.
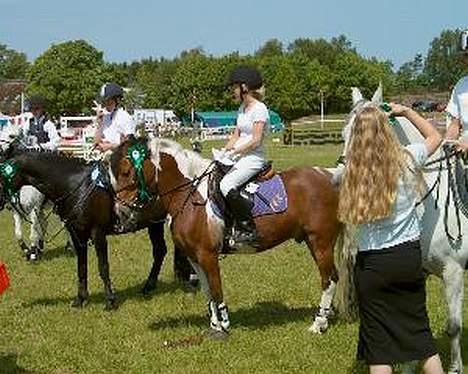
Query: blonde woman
[[245, 146], [378, 195]]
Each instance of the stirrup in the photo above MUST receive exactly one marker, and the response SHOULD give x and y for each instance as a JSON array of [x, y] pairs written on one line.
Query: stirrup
[[244, 236]]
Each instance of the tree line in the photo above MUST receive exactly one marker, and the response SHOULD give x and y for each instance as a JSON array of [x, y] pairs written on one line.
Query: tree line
[[296, 75]]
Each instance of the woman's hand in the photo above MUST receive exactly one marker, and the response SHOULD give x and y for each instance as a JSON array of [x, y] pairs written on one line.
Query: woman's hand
[[398, 109]]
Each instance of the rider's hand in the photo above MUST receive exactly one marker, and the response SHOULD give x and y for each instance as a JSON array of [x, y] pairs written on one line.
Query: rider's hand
[[398, 109], [462, 145], [99, 111]]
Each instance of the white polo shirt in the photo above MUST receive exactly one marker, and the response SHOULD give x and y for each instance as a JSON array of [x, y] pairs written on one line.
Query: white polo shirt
[[116, 124], [458, 104], [403, 224], [245, 122]]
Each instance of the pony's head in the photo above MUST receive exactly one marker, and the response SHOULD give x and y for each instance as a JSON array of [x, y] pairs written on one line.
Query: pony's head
[[136, 163], [132, 174]]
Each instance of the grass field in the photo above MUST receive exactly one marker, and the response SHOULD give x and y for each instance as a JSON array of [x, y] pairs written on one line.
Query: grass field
[[272, 297]]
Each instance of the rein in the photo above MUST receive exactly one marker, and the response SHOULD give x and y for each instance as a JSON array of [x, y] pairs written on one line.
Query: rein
[[451, 190]]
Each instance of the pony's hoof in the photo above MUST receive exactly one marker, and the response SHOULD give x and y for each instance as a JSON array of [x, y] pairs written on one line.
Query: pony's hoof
[[78, 303], [111, 305], [218, 334], [319, 326], [33, 256], [147, 289]]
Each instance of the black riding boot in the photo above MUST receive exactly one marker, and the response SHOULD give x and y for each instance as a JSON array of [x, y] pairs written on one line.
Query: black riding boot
[[245, 231]]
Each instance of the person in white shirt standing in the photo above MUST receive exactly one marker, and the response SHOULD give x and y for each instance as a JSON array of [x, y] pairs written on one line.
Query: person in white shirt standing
[[457, 107], [114, 124], [245, 146], [40, 132]]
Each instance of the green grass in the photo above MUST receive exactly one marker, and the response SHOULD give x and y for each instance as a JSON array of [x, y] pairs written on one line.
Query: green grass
[[272, 297]]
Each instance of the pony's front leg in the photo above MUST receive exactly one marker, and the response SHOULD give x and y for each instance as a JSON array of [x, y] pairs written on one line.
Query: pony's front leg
[[100, 243], [156, 234], [322, 251], [81, 245], [208, 273], [453, 281]]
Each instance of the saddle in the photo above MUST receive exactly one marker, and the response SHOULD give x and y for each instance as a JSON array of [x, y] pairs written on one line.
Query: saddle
[[265, 191]]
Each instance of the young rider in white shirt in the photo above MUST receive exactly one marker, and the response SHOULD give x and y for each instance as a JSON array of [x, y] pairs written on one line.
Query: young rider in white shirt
[[246, 147], [114, 124]]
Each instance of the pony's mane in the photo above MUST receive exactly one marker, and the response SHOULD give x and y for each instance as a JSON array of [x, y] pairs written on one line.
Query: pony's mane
[[190, 163]]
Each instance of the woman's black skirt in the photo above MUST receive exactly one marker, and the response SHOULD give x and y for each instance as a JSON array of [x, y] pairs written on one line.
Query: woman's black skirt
[[394, 326]]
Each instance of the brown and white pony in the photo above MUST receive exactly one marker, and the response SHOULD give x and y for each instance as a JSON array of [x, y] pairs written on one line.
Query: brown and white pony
[[310, 217]]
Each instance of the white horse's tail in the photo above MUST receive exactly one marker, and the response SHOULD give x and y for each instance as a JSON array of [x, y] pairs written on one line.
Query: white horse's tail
[[345, 257]]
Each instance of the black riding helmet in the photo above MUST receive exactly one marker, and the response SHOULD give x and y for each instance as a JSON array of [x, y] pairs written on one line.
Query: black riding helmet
[[110, 91], [251, 77]]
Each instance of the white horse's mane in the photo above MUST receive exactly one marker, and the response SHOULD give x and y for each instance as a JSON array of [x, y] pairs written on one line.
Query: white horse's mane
[[190, 163]]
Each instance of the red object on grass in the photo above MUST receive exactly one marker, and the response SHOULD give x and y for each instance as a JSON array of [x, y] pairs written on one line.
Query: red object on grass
[[4, 280]]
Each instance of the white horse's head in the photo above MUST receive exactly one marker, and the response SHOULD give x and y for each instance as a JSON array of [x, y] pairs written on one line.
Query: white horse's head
[[405, 131]]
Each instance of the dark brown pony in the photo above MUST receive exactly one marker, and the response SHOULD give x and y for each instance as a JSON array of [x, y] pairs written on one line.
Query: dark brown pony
[[310, 216]]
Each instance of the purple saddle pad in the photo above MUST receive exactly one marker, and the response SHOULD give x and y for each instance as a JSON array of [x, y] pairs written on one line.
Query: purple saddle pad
[[269, 198]]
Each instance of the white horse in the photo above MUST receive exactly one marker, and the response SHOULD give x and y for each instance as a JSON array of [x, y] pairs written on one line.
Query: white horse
[[30, 206], [444, 237]]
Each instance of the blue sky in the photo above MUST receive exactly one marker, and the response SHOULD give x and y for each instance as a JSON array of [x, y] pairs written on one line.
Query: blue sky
[[133, 29]]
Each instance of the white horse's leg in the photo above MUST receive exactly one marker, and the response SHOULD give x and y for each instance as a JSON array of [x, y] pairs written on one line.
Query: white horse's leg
[[453, 281], [44, 224], [19, 232], [36, 234]]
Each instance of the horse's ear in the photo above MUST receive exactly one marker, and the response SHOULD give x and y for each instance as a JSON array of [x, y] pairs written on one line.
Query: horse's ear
[[357, 95], [131, 138], [378, 95]]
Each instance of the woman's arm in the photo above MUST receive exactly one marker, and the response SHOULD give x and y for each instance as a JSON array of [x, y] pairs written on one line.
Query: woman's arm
[[257, 137], [232, 140], [432, 137]]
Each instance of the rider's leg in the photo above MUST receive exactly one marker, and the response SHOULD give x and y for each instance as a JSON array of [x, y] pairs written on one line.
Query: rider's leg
[[240, 207]]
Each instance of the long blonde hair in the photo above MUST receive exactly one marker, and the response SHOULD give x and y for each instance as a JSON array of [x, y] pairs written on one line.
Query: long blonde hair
[[375, 162]]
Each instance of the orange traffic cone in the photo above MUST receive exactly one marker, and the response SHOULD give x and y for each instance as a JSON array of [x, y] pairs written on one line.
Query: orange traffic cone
[[4, 279]]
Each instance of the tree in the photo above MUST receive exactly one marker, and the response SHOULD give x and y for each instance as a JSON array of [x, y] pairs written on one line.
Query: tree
[[443, 66], [271, 48], [13, 64], [69, 76]]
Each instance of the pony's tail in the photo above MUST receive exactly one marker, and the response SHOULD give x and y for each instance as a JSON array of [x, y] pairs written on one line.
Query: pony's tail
[[345, 257]]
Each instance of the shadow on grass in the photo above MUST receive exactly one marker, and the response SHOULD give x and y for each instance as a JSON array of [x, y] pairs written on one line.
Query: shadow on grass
[[130, 293], [9, 364], [57, 252], [259, 316]]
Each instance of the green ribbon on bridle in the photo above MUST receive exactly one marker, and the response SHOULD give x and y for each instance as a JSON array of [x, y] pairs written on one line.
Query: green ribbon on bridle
[[137, 154], [8, 171], [387, 108]]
